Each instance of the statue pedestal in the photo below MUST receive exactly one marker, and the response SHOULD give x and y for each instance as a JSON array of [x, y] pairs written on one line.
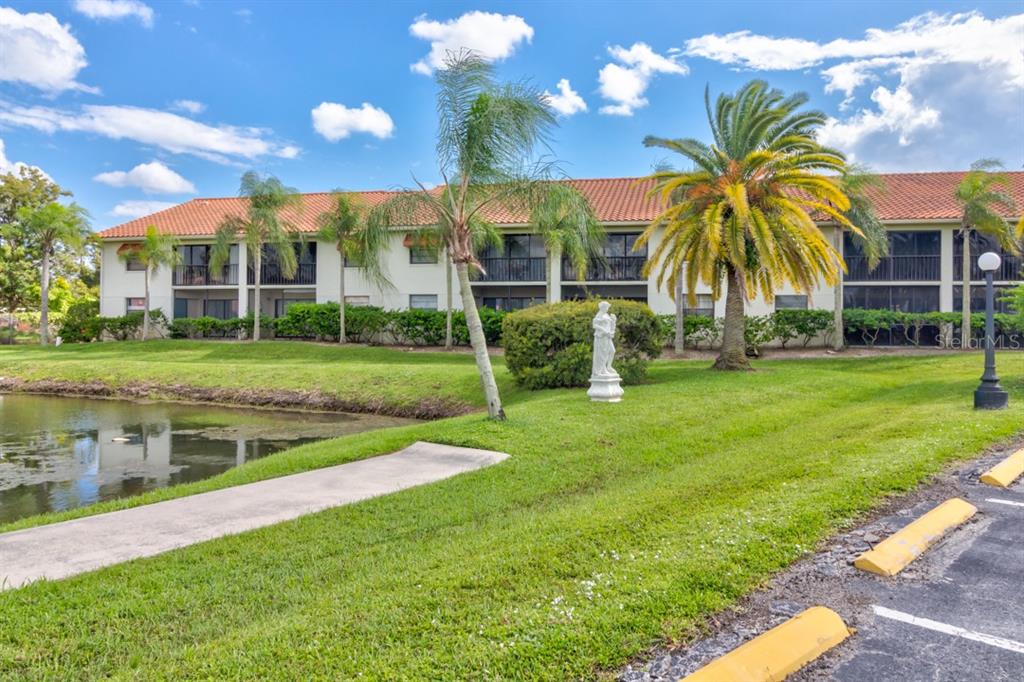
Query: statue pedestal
[[605, 389]]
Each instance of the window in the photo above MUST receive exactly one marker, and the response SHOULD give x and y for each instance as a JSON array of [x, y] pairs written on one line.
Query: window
[[978, 299], [135, 305], [510, 302], [902, 243], [620, 244], [281, 305], [194, 255], [357, 300], [423, 301], [419, 255], [705, 305], [133, 264], [180, 307], [222, 309], [790, 302], [908, 299], [517, 246]]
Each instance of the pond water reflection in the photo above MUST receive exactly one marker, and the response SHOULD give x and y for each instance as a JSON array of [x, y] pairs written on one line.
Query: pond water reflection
[[59, 453]]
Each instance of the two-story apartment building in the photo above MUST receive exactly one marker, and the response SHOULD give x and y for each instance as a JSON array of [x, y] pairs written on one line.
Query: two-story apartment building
[[922, 272]]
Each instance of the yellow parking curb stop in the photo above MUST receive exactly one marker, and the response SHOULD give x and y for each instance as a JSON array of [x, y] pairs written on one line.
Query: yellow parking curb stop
[[891, 556], [1006, 472], [779, 652]]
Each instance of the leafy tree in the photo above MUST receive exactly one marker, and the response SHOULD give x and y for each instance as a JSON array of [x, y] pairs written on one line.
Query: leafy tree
[[265, 222], [983, 200], [17, 276], [365, 241], [46, 230], [487, 135], [566, 222], [742, 216], [156, 250], [28, 188], [858, 183]]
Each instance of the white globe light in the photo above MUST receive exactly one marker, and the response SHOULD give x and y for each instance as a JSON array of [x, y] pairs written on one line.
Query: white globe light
[[989, 261]]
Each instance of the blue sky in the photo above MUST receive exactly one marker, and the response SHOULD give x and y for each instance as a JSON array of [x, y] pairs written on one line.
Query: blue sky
[[133, 104]]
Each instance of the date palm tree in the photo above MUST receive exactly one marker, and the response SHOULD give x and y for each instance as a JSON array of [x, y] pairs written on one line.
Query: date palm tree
[[742, 217], [858, 183], [488, 133], [983, 201], [266, 221], [357, 238], [47, 229], [566, 222], [156, 250]]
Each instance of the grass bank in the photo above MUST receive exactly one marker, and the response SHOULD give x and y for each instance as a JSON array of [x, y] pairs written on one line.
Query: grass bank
[[277, 374], [611, 528]]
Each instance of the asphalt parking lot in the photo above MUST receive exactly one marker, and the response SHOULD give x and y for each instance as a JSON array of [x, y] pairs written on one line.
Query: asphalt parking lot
[[954, 614]]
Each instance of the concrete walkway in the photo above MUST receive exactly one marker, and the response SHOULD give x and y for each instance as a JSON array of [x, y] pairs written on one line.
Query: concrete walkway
[[64, 549]]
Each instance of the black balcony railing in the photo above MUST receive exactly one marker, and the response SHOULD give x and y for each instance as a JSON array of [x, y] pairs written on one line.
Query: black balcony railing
[[612, 269], [895, 269], [513, 270], [203, 275], [271, 273], [1011, 269]]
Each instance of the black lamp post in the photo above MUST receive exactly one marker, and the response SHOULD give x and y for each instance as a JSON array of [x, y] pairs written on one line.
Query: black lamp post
[[990, 395]]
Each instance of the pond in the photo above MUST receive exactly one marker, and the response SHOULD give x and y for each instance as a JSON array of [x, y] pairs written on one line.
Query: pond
[[59, 453]]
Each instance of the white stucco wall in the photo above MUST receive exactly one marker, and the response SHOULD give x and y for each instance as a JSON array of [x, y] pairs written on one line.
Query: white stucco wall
[[118, 283]]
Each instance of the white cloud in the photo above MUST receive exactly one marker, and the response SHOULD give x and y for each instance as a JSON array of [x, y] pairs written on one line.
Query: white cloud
[[15, 167], [913, 120], [137, 209], [567, 102], [336, 121], [151, 178], [171, 132], [38, 50], [245, 14], [493, 36], [189, 106], [116, 10], [625, 82]]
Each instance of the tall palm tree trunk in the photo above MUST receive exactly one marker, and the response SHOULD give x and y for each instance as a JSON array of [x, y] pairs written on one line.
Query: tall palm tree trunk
[[965, 321], [145, 313], [341, 297], [256, 292], [44, 289], [680, 340], [839, 338], [448, 342], [733, 355], [479, 343]]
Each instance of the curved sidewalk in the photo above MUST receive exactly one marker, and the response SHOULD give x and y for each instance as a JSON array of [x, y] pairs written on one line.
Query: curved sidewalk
[[64, 549]]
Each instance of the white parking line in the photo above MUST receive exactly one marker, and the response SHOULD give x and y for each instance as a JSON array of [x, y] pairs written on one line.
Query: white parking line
[[1009, 502], [991, 640]]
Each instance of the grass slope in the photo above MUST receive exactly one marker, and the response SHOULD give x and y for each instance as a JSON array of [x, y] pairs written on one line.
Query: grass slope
[[367, 378], [612, 528]]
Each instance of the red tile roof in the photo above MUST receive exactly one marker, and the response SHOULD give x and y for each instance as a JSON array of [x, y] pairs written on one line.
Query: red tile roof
[[905, 197]]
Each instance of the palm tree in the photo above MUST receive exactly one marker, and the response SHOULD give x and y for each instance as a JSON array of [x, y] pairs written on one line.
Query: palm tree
[[365, 241], [566, 222], [743, 215], [264, 223], [153, 252], [49, 228], [983, 200], [487, 135], [857, 183]]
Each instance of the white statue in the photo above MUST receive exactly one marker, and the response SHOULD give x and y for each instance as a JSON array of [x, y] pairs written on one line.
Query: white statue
[[605, 383]]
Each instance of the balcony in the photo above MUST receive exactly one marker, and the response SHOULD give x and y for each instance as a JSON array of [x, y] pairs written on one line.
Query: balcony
[[1011, 270], [895, 269], [612, 269], [203, 275], [271, 273], [513, 270]]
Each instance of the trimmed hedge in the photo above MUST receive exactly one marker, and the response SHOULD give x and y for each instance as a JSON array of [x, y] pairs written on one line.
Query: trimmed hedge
[[784, 326], [82, 324], [548, 346]]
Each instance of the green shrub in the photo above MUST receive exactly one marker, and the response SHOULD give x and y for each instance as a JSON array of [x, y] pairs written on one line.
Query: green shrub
[[310, 321], [420, 327], [757, 332], [82, 322], [805, 325], [365, 324], [547, 346]]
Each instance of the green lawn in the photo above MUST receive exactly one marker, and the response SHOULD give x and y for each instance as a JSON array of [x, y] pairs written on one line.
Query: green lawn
[[366, 378], [611, 528]]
